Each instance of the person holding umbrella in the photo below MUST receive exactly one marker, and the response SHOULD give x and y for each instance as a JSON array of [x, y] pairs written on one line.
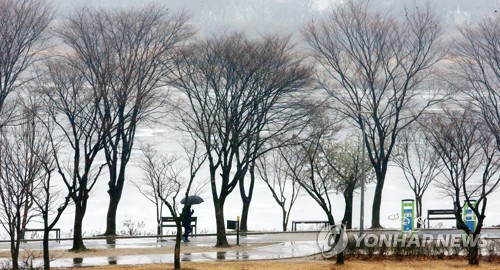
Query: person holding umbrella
[[187, 213]]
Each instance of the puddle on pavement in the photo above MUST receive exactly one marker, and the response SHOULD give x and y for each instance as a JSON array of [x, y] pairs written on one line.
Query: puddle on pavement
[[282, 250], [112, 260], [77, 261], [221, 255], [186, 257]]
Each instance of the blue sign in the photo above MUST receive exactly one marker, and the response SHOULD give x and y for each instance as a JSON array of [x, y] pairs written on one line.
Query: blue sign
[[469, 216], [407, 215], [408, 220]]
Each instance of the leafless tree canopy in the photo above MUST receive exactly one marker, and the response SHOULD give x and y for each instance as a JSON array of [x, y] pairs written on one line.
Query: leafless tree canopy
[[375, 63], [24, 154], [306, 161], [466, 151], [22, 38], [419, 162], [344, 160], [162, 177], [471, 164], [273, 170], [235, 89], [76, 133], [124, 55], [477, 58], [164, 181]]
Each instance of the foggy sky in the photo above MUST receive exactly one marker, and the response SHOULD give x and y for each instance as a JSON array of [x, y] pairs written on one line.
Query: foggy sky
[[286, 16]]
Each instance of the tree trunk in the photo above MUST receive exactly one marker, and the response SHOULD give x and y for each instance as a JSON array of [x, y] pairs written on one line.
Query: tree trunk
[[348, 194], [77, 230], [473, 253], [285, 219], [244, 214], [246, 199], [331, 220], [340, 258], [46, 257], [14, 252], [221, 227], [473, 249], [177, 248], [111, 215], [115, 185], [418, 201], [377, 202]]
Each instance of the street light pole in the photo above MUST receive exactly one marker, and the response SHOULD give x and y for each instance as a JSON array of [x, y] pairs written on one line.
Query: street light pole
[[363, 180]]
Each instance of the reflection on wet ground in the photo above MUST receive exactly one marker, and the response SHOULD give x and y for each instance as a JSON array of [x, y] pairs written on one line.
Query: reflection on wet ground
[[283, 250], [221, 255], [112, 260], [288, 242], [186, 257], [111, 242], [289, 245]]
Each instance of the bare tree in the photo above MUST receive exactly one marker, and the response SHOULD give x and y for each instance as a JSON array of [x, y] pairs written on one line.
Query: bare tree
[[76, 134], [477, 69], [13, 197], [124, 55], [471, 166], [146, 185], [163, 176], [373, 62], [272, 168], [276, 111], [22, 38], [419, 162], [342, 161], [234, 88], [20, 170], [44, 199], [307, 164]]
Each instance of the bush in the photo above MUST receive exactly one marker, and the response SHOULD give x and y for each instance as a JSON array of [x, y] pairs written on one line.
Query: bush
[[133, 228]]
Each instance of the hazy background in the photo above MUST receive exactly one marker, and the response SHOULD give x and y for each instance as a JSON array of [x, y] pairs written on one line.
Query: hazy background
[[260, 17], [286, 16]]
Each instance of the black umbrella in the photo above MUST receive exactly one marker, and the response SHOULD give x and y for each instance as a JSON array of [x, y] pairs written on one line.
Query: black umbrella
[[193, 199]]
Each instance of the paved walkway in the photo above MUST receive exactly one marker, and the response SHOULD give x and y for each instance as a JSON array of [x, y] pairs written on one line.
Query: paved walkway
[[281, 245], [277, 246]]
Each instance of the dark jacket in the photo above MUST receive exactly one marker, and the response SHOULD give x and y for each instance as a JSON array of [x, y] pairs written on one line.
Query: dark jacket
[[187, 213]]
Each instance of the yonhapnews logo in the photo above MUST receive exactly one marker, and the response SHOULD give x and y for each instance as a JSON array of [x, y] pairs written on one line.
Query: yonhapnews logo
[[332, 240]]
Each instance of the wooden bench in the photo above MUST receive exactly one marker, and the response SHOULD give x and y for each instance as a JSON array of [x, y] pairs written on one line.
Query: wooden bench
[[294, 223], [170, 222], [439, 214], [57, 231]]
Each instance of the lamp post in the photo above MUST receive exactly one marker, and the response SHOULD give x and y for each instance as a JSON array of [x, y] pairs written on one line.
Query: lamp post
[[363, 180], [363, 175]]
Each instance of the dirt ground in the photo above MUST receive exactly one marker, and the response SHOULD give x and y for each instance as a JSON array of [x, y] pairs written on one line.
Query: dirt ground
[[311, 263]]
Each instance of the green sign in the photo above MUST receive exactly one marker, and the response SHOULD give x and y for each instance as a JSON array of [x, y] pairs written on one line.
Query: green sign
[[407, 215]]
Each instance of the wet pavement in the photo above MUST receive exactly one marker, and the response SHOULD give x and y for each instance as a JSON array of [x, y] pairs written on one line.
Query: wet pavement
[[276, 246]]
